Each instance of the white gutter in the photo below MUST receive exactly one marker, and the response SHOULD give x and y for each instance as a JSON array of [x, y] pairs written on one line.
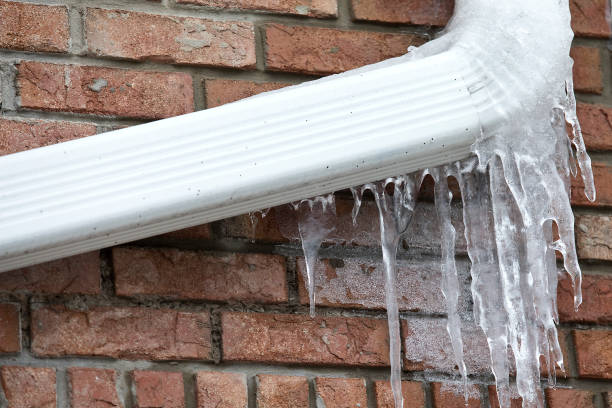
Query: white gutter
[[421, 110], [316, 138]]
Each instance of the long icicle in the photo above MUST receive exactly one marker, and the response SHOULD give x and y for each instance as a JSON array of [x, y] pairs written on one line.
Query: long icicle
[[489, 311], [395, 213], [450, 280]]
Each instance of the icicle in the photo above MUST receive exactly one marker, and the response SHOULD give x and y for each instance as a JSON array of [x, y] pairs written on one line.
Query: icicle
[[395, 212], [357, 198], [315, 222], [450, 280], [254, 218], [489, 311]]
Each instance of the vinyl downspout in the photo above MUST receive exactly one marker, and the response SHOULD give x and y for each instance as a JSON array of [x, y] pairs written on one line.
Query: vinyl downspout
[[389, 118], [311, 139]]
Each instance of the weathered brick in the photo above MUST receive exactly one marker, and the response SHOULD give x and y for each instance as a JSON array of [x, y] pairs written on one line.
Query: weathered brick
[[565, 398], [413, 393], [170, 39], [311, 8], [341, 392], [594, 353], [602, 174], [563, 336], [18, 135], [587, 69], [10, 332], [93, 388], [159, 389], [283, 338], [32, 27], [216, 389], [199, 232], [596, 300], [266, 229], [104, 91], [596, 123], [222, 91], [451, 395], [79, 274], [360, 283], [427, 347], [322, 51], [130, 333], [417, 12], [515, 399], [245, 277], [26, 387], [589, 18], [280, 225], [594, 237], [281, 391]]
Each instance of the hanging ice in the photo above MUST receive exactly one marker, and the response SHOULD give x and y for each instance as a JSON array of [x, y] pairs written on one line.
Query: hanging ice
[[514, 189], [315, 222]]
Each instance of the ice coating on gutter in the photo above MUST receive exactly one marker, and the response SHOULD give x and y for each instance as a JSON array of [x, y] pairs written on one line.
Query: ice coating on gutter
[[513, 191]]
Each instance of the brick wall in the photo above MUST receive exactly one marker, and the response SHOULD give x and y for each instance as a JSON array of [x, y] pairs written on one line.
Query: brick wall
[[216, 315]]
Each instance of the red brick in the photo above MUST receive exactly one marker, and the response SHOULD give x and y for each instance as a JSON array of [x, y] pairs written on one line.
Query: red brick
[[417, 12], [563, 336], [515, 399], [17, 135], [26, 387], [594, 353], [79, 274], [564, 398], [589, 18], [602, 174], [280, 226], [130, 333], [360, 283], [170, 39], [199, 232], [596, 123], [596, 300], [267, 229], [594, 237], [159, 389], [587, 70], [10, 334], [341, 392], [93, 388], [31, 27], [427, 347], [414, 396], [104, 91], [311, 8], [224, 277], [451, 395], [300, 339], [280, 391], [222, 91], [322, 51], [223, 390]]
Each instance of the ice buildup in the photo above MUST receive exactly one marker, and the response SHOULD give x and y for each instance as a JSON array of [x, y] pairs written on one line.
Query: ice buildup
[[515, 190]]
